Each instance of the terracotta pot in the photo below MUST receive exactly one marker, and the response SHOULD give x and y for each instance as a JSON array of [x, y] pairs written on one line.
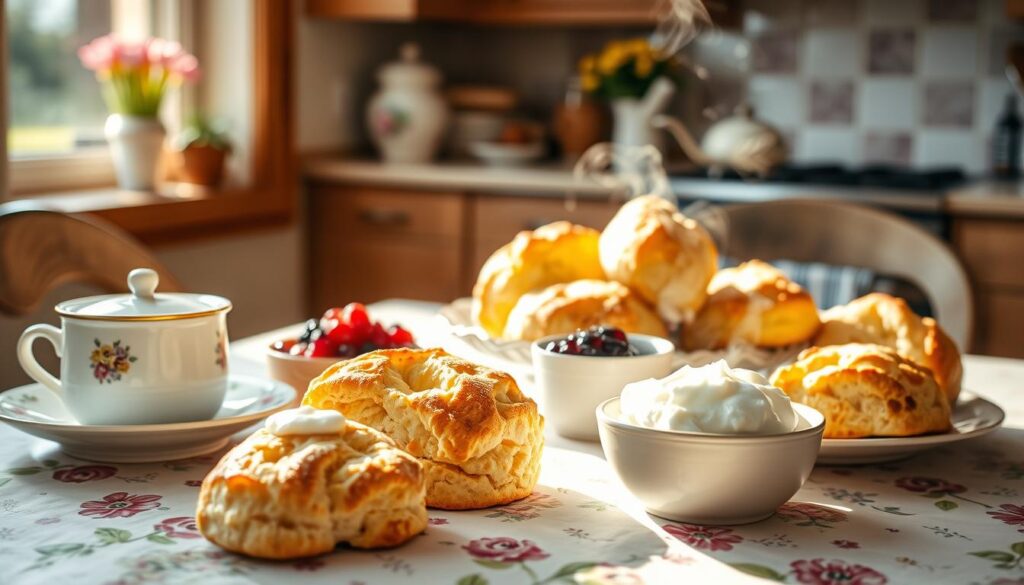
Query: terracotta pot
[[580, 124], [202, 165]]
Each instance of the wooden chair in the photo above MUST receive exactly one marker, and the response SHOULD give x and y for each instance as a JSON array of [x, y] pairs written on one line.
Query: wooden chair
[[844, 234], [41, 250]]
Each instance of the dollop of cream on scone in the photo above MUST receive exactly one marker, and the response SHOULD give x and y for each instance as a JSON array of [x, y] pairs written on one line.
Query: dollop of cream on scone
[[305, 420]]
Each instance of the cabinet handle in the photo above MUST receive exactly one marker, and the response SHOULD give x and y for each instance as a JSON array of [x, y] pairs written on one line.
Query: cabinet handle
[[385, 217]]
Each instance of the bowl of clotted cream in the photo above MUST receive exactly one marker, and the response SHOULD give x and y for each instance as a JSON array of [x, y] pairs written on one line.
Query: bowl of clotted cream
[[710, 445]]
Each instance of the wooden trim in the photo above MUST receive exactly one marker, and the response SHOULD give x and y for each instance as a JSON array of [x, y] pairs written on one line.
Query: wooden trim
[[271, 198]]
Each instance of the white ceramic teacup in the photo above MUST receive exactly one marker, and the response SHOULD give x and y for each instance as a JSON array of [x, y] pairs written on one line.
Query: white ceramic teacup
[[142, 358], [571, 386]]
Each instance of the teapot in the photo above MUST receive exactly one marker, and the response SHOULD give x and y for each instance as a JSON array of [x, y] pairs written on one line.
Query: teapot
[[740, 142]]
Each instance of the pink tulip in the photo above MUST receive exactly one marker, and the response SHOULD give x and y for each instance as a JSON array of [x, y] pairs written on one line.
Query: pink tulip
[[187, 66]]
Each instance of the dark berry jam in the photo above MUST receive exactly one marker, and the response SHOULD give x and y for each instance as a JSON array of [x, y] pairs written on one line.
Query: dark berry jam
[[598, 341]]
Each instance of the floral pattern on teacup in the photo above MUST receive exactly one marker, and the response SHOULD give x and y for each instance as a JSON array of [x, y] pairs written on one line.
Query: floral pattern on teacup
[[221, 351], [110, 361]]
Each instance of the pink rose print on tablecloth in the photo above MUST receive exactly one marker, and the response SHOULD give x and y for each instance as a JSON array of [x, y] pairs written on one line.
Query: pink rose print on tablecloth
[[704, 537], [1010, 514], [179, 527], [835, 572], [84, 473], [505, 550], [193, 482], [120, 505], [931, 487], [437, 521], [841, 543]]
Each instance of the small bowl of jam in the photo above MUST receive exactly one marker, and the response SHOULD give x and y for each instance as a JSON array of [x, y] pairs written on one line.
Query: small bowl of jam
[[578, 371]]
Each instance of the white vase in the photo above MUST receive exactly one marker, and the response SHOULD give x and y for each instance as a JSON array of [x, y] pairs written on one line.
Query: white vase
[[135, 145], [632, 124]]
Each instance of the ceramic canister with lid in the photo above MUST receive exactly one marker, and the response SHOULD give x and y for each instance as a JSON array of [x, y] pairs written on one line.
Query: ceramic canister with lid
[[408, 116], [138, 358]]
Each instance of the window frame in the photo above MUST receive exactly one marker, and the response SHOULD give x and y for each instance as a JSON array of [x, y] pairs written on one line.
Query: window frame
[[270, 196]]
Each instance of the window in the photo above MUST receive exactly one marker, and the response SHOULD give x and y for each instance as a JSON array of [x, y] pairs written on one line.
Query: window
[[56, 112]]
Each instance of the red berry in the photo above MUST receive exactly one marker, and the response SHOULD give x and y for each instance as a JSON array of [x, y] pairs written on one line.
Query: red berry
[[346, 351], [283, 345], [297, 348], [322, 347], [356, 316], [399, 336], [378, 336], [330, 319], [341, 333]]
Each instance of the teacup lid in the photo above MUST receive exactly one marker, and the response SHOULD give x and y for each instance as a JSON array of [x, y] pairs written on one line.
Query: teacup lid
[[144, 303]]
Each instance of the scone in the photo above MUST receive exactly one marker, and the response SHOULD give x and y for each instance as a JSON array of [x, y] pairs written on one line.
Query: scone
[[478, 437], [865, 390], [564, 308], [753, 303], [557, 252], [666, 257], [887, 320], [298, 495]]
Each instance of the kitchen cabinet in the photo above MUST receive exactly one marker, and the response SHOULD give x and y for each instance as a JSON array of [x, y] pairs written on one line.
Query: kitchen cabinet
[[1015, 9], [990, 250], [725, 13], [369, 244]]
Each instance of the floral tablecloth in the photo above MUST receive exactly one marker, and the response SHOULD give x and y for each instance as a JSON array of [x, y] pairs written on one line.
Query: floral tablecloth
[[953, 515]]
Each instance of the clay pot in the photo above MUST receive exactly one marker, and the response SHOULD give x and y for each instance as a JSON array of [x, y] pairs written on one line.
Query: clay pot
[[202, 165]]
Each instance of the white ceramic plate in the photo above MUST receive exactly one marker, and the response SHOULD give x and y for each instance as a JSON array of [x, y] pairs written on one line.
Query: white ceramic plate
[[973, 417], [35, 410], [459, 315]]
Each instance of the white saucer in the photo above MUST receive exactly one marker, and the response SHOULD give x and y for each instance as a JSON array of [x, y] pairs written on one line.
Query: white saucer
[[973, 417], [35, 410]]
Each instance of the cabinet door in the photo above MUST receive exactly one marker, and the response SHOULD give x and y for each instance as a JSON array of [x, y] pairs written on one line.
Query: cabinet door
[[497, 219], [1001, 323], [372, 244]]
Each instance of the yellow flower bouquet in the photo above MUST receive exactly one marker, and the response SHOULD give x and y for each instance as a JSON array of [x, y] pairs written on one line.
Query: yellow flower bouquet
[[625, 69]]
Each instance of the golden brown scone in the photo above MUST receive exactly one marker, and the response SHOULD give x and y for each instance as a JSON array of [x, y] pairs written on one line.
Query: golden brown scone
[[299, 495], [752, 303], [666, 257], [564, 308], [478, 437], [557, 252], [865, 390], [889, 321]]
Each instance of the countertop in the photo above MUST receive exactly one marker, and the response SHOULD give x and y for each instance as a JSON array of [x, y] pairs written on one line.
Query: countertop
[[981, 197]]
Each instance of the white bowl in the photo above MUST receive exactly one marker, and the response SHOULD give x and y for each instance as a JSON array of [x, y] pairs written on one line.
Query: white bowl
[[571, 386], [296, 370], [710, 479], [500, 154]]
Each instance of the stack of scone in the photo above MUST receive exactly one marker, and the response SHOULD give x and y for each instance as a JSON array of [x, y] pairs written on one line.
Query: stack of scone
[[378, 439], [650, 265], [877, 370]]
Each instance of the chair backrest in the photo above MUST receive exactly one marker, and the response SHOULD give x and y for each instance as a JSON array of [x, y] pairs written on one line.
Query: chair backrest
[[844, 234], [41, 250]]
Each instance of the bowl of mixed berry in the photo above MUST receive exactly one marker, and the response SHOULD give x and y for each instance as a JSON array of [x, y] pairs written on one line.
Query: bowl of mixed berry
[[340, 334], [575, 372]]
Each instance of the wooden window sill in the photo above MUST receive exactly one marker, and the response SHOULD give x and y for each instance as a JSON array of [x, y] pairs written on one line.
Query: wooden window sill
[[173, 214]]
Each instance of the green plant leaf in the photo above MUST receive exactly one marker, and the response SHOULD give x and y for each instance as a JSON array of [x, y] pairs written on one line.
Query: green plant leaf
[[1018, 547], [571, 569], [66, 548], [946, 505], [24, 470], [159, 538], [759, 571], [97, 342], [994, 555], [492, 564], [112, 535], [474, 579], [50, 462]]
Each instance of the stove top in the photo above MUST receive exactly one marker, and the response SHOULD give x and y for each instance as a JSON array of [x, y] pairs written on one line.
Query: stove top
[[880, 176]]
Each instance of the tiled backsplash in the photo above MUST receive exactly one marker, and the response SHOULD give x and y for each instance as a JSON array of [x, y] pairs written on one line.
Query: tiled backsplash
[[916, 82]]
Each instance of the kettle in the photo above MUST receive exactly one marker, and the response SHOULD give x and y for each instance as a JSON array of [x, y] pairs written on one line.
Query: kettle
[[740, 142]]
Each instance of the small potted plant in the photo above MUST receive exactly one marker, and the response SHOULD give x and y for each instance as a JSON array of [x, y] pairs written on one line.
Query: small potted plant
[[638, 81], [204, 146], [134, 77]]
